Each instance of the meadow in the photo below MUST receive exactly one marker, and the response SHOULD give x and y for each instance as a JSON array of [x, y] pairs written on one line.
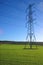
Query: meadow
[[11, 54]]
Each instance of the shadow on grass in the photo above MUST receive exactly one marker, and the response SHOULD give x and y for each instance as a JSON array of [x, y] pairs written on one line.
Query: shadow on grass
[[30, 48]]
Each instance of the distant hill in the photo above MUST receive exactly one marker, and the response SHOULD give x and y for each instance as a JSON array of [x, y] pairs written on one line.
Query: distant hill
[[20, 42]]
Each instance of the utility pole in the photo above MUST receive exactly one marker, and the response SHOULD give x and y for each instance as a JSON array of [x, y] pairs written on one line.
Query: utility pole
[[30, 25]]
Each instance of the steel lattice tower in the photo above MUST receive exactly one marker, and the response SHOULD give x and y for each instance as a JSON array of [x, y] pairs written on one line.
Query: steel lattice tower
[[30, 25]]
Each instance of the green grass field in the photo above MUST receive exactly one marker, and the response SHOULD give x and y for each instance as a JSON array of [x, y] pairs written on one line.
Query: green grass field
[[11, 54]]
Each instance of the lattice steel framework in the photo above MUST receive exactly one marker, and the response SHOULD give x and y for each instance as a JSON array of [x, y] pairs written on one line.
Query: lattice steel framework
[[30, 25]]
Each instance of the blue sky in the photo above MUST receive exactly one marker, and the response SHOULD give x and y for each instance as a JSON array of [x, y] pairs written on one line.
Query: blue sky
[[13, 19]]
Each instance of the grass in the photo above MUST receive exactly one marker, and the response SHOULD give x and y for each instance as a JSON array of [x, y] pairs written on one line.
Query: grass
[[11, 54]]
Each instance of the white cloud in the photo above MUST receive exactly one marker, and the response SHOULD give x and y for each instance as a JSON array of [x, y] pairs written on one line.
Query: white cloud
[[1, 31]]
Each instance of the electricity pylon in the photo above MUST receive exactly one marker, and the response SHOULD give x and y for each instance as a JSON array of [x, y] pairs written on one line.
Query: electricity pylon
[[30, 25]]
